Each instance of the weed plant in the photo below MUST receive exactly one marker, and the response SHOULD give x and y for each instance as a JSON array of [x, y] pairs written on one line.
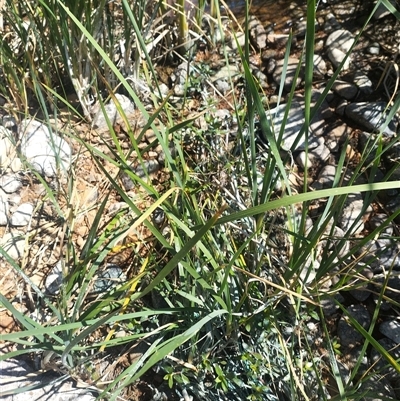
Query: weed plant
[[221, 302]]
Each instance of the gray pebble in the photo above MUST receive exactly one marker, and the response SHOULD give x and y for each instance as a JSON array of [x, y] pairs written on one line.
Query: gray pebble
[[381, 365], [377, 221], [348, 335], [318, 154], [344, 89], [258, 34], [108, 279], [363, 288], [363, 83], [10, 183], [377, 388], [54, 279], [44, 149], [290, 73], [293, 125], [127, 106], [325, 177], [338, 44], [13, 243], [391, 329], [351, 218], [149, 167], [3, 212], [369, 115], [17, 374], [22, 216]]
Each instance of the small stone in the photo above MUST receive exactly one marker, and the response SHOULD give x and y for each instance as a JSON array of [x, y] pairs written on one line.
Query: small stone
[[353, 214], [44, 149], [341, 107], [380, 363], [349, 336], [6, 146], [320, 68], [150, 136], [382, 11], [392, 290], [377, 221], [227, 72], [277, 75], [336, 135], [391, 329], [363, 288], [382, 254], [17, 374], [163, 89], [374, 49], [99, 120], [6, 320], [149, 167], [10, 183], [109, 279], [325, 177], [340, 39], [329, 304], [318, 154], [3, 212], [54, 279], [345, 89], [237, 40], [258, 34], [292, 128], [363, 83], [371, 116], [22, 216], [336, 57], [13, 243], [376, 388]]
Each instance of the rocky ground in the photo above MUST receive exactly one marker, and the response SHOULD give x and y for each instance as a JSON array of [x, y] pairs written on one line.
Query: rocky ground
[[353, 111]]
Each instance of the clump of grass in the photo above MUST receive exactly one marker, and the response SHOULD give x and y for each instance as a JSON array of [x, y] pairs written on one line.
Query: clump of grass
[[220, 302]]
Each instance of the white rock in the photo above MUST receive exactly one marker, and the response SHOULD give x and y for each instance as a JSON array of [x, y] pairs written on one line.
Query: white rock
[[257, 32], [337, 56], [43, 149], [127, 106], [320, 68], [352, 214], [10, 183], [3, 212], [325, 178], [338, 44], [13, 243], [344, 89], [237, 40], [22, 216], [293, 126], [340, 39], [16, 164], [54, 279], [227, 72], [320, 153], [372, 116], [374, 49], [290, 73], [363, 82], [17, 374], [6, 146]]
